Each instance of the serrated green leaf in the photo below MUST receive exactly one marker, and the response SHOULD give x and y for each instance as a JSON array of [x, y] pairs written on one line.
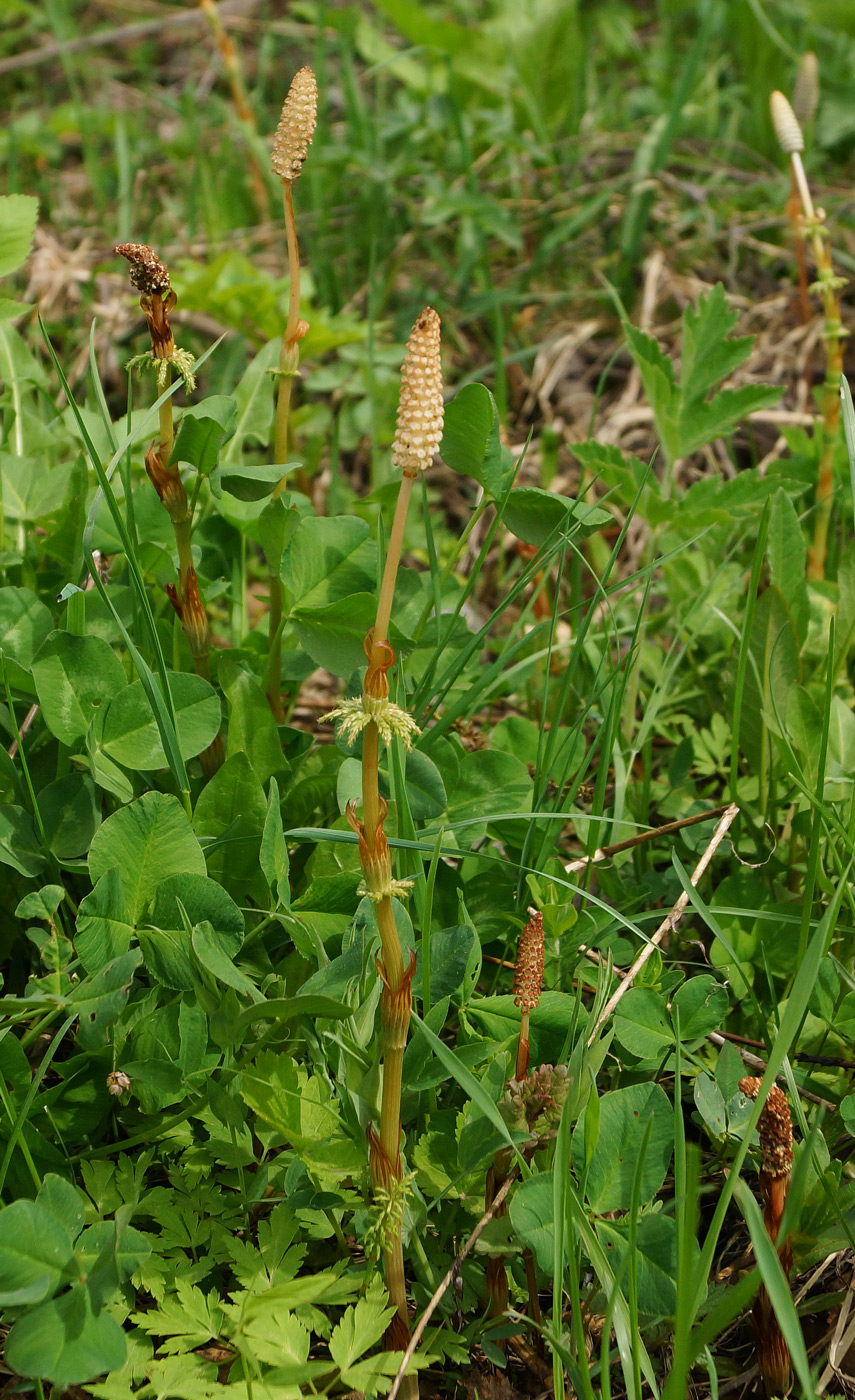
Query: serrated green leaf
[[184, 1321], [702, 423], [657, 376], [686, 419], [707, 355]]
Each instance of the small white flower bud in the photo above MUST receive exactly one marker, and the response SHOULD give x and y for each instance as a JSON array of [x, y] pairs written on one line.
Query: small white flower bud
[[118, 1083]]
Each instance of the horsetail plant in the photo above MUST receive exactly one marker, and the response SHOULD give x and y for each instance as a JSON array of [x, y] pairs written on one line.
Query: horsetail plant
[[528, 983], [519, 1106], [150, 277], [240, 100], [805, 101], [376, 717], [290, 147], [828, 284], [776, 1159]]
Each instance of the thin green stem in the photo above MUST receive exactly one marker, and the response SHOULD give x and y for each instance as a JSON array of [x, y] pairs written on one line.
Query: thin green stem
[[293, 262], [274, 655], [167, 430], [289, 360], [22, 1142]]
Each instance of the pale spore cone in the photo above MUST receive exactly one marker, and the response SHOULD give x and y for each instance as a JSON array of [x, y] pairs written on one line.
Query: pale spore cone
[[786, 124], [806, 89], [296, 126], [420, 406]]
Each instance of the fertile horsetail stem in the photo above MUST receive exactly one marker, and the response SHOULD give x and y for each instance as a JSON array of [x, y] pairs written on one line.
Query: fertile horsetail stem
[[290, 146], [776, 1160]]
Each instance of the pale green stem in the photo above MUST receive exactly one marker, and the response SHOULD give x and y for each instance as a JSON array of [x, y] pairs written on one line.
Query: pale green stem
[[393, 559], [289, 359], [834, 368], [167, 432]]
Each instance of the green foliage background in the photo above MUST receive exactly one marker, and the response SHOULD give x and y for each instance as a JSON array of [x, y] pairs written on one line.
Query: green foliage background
[[595, 641]]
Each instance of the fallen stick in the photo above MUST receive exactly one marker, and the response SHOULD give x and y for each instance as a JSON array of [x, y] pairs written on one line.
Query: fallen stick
[[419, 1330], [670, 921], [604, 852], [119, 34]]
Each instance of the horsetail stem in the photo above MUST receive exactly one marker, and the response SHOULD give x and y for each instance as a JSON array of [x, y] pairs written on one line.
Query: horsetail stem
[[791, 140], [376, 717], [290, 146]]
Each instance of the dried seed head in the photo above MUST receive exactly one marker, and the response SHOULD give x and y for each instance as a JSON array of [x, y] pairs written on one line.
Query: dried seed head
[[148, 274], [420, 407], [775, 1129], [296, 126], [528, 973], [806, 89], [534, 1104], [786, 125]]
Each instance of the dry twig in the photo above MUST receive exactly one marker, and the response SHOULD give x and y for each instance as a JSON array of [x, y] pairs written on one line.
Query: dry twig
[[419, 1329], [670, 921]]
